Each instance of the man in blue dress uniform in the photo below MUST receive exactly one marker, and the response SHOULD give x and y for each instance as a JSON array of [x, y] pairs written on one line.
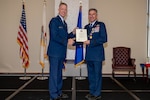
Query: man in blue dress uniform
[[59, 38], [94, 57]]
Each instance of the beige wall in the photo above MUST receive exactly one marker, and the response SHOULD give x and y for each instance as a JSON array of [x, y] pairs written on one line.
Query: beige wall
[[125, 21], [126, 26]]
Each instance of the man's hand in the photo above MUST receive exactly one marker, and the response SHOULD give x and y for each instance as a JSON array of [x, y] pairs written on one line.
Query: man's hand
[[70, 41], [87, 42]]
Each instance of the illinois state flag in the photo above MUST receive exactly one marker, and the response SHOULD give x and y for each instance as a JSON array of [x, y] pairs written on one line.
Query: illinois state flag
[[22, 39], [43, 41], [79, 46]]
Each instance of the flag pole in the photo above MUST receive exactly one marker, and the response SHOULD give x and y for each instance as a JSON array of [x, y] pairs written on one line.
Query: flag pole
[[43, 43], [42, 77], [25, 77], [80, 76]]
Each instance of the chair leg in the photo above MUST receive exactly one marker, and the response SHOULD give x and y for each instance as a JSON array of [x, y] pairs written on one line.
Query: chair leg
[[113, 74], [129, 74], [134, 76]]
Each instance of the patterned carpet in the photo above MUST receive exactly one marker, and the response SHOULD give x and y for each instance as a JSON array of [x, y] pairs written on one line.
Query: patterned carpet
[[120, 88]]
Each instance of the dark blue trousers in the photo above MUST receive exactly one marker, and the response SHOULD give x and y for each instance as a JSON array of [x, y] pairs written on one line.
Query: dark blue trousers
[[95, 77], [55, 77]]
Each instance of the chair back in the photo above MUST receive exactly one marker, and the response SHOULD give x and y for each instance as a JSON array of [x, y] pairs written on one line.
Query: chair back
[[121, 56]]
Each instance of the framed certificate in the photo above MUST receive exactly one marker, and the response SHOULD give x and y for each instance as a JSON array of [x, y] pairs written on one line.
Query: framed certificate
[[81, 35]]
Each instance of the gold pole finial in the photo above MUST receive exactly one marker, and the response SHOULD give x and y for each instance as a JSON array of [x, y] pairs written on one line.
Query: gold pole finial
[[44, 1], [23, 0], [80, 3]]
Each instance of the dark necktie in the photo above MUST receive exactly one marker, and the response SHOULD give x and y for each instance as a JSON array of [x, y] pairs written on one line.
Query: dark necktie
[[65, 25], [64, 22], [91, 25]]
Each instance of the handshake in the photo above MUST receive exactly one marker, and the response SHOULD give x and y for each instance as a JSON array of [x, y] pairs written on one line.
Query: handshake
[[71, 41]]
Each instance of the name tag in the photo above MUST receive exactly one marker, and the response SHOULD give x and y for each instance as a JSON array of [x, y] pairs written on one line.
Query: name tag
[[60, 27]]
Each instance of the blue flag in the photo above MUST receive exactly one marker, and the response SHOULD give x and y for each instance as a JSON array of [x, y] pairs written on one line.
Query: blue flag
[[79, 46]]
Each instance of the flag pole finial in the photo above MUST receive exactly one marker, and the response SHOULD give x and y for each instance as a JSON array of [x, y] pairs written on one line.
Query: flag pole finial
[[23, 1], [80, 3], [44, 1]]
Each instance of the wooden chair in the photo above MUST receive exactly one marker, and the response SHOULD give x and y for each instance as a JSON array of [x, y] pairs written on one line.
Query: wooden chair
[[122, 61]]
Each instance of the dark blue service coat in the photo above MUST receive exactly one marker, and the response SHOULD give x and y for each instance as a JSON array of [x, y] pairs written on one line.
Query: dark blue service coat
[[98, 36], [58, 38]]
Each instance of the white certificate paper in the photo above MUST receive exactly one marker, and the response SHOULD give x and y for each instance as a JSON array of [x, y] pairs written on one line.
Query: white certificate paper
[[81, 35]]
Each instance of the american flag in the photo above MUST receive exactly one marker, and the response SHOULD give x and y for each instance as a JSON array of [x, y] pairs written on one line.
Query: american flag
[[22, 39]]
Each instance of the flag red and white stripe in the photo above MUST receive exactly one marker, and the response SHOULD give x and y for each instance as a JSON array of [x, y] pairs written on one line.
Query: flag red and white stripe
[[43, 42], [22, 39]]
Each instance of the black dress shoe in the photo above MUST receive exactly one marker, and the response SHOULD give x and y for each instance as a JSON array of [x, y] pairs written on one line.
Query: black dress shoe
[[95, 98], [92, 97], [88, 96], [64, 96]]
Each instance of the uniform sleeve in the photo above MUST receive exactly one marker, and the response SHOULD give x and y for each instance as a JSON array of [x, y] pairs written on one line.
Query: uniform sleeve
[[71, 35]]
